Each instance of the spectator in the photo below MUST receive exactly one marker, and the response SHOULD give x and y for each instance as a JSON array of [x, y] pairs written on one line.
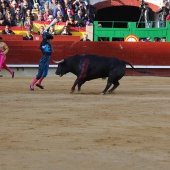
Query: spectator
[[50, 18], [29, 14], [4, 50], [28, 36], [28, 24], [85, 38], [41, 30], [35, 14], [46, 15], [147, 16], [163, 12], [1, 19], [70, 21], [43, 3], [52, 5], [82, 8], [7, 14], [18, 12], [45, 8], [59, 17], [24, 8], [65, 31], [68, 8], [68, 4], [5, 2], [26, 3], [9, 21], [18, 21], [68, 13], [10, 3], [76, 4], [3, 8], [80, 20], [52, 30], [39, 17], [13, 8], [34, 2], [62, 2], [59, 8], [36, 6], [7, 31]]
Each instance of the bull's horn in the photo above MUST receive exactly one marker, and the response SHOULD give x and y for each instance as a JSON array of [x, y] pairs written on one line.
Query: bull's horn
[[58, 62]]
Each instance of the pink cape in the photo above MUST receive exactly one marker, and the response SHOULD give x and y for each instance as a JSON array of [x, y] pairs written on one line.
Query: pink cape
[[1, 59]]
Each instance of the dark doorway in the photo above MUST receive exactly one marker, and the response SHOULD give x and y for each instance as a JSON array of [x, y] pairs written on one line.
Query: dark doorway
[[119, 13]]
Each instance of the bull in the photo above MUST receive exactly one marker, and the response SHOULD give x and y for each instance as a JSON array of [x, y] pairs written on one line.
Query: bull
[[88, 67]]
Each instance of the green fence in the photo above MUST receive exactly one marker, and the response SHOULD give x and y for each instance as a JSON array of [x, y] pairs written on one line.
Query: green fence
[[118, 31]]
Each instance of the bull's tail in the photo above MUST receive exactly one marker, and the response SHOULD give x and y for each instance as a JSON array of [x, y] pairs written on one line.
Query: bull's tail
[[139, 71]]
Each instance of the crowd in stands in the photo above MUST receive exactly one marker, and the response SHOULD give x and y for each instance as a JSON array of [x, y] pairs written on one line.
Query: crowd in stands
[[75, 13]]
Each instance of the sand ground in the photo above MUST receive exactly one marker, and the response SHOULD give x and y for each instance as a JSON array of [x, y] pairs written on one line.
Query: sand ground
[[52, 129]]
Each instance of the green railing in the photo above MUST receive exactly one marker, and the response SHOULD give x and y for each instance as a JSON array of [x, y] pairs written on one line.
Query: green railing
[[116, 30]]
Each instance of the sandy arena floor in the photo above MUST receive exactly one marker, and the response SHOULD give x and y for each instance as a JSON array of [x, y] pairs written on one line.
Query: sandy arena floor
[[52, 129]]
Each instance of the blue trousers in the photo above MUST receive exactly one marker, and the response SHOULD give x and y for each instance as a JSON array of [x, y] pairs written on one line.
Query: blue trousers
[[43, 67]]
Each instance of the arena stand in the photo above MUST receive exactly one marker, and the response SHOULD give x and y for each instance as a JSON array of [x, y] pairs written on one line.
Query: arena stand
[[26, 54]]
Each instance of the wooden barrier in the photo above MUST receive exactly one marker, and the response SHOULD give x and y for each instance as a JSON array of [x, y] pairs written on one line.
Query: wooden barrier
[[11, 37], [153, 55]]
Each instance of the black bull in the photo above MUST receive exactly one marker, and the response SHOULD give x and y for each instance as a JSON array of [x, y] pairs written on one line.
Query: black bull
[[88, 67]]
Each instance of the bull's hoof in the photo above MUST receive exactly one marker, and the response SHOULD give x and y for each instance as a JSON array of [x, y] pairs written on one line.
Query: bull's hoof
[[110, 91], [72, 91], [103, 93]]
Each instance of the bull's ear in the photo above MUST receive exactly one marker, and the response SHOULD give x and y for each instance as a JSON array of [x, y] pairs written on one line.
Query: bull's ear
[[58, 62]]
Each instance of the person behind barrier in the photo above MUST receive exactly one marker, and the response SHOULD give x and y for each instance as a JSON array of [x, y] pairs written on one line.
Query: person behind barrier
[[68, 12], [162, 13], [1, 19], [13, 7], [59, 8], [52, 30], [28, 24], [65, 31], [7, 30], [147, 15], [18, 21], [39, 17], [70, 21], [80, 20], [41, 30], [28, 36], [9, 21], [18, 12], [3, 51], [3, 8], [47, 50], [52, 5], [46, 14], [85, 38]]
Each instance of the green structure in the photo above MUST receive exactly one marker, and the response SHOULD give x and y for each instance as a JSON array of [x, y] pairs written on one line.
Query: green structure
[[119, 31]]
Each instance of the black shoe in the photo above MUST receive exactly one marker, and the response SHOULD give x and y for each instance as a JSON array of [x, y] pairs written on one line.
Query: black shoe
[[41, 87], [31, 89], [13, 74], [1, 75]]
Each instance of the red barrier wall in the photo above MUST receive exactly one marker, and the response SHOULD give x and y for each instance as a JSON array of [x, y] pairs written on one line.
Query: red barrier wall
[[140, 53]]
